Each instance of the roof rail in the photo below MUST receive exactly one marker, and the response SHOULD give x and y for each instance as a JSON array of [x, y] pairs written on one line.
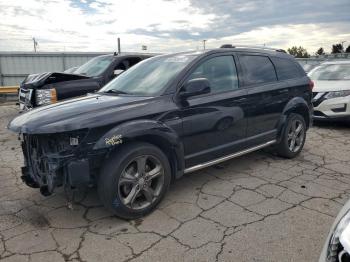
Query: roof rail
[[253, 47]]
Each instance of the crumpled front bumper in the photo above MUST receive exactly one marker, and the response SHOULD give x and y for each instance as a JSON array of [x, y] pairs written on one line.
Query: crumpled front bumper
[[48, 164]]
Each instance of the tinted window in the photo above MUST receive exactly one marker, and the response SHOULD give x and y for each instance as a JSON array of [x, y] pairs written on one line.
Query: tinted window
[[286, 68], [220, 71], [258, 69]]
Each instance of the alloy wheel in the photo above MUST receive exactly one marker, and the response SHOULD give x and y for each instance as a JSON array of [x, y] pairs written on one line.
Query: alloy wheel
[[296, 135], [141, 182]]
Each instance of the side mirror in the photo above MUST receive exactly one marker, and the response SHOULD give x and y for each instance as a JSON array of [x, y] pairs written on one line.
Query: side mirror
[[195, 87], [118, 72]]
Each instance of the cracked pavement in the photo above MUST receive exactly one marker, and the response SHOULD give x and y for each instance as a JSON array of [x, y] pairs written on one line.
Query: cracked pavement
[[258, 207]]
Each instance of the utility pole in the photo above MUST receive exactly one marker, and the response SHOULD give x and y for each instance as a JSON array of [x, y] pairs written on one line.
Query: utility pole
[[35, 43], [204, 44], [119, 46]]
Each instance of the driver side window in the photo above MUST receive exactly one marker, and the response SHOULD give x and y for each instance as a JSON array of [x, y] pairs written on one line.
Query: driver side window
[[220, 71]]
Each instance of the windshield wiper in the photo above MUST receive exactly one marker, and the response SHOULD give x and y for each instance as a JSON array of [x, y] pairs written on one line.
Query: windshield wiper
[[114, 91]]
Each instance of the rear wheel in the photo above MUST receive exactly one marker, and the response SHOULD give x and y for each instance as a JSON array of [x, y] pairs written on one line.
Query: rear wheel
[[293, 137], [134, 180]]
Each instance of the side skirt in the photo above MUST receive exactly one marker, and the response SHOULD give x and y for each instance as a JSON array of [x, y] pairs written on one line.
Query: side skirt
[[224, 158]]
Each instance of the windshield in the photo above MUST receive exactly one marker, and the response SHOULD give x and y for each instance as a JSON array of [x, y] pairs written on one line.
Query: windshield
[[331, 72], [95, 66], [149, 77]]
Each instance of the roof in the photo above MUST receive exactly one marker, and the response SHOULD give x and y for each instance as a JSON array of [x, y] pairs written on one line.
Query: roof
[[268, 51]]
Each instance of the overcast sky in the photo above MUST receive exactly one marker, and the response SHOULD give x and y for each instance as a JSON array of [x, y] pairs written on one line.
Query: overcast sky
[[171, 25]]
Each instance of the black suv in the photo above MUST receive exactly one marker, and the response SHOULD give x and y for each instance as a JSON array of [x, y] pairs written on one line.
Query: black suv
[[50, 87], [167, 116]]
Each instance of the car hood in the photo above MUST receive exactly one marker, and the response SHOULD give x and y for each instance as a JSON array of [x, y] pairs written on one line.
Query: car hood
[[84, 112], [329, 86], [38, 80]]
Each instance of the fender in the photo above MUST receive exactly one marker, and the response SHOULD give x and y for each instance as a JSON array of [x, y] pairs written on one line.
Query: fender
[[140, 128], [296, 104]]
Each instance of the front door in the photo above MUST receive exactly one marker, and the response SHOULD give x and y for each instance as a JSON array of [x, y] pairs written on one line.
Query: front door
[[214, 124]]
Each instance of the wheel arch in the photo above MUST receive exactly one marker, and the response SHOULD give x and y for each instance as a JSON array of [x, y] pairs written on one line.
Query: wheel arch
[[152, 132], [173, 154], [296, 105]]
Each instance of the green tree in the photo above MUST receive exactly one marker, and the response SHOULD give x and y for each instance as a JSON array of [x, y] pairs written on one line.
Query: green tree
[[320, 51], [337, 48], [347, 50], [298, 52]]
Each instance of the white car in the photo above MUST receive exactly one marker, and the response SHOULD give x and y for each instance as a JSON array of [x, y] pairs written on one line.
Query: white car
[[331, 92], [337, 245]]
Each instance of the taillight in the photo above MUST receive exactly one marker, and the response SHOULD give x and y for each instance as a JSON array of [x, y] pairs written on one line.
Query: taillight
[[311, 85]]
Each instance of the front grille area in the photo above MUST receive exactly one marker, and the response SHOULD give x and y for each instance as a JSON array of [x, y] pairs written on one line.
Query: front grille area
[[25, 96], [46, 155], [36, 155], [41, 146], [318, 98]]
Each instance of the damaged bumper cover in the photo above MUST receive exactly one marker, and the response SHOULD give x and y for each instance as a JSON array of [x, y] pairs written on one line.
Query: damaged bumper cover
[[55, 160]]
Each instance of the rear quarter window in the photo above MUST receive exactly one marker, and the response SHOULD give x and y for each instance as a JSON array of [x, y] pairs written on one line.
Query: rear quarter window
[[257, 69], [287, 68]]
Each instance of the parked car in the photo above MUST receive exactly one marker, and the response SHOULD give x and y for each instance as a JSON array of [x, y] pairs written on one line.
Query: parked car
[[47, 88], [331, 94], [337, 244], [167, 116]]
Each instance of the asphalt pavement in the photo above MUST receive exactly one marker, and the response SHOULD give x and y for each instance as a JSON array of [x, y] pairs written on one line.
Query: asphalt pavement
[[258, 207]]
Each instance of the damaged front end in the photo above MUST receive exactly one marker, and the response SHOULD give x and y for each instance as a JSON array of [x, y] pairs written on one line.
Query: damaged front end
[[42, 89], [53, 160]]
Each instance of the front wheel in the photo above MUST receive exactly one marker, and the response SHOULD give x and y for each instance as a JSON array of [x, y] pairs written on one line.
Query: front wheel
[[134, 180], [293, 137]]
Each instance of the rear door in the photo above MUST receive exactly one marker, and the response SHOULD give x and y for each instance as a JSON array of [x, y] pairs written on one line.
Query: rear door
[[266, 97]]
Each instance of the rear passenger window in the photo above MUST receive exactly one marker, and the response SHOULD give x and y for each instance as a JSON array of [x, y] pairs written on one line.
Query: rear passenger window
[[286, 68], [220, 71], [257, 69]]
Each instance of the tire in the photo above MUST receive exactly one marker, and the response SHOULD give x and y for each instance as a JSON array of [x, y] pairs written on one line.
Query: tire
[[289, 134], [134, 180]]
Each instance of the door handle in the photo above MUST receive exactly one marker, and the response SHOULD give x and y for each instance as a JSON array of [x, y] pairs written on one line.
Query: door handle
[[283, 91]]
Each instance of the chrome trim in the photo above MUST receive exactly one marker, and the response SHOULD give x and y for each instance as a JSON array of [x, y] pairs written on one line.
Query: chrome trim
[[224, 158]]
